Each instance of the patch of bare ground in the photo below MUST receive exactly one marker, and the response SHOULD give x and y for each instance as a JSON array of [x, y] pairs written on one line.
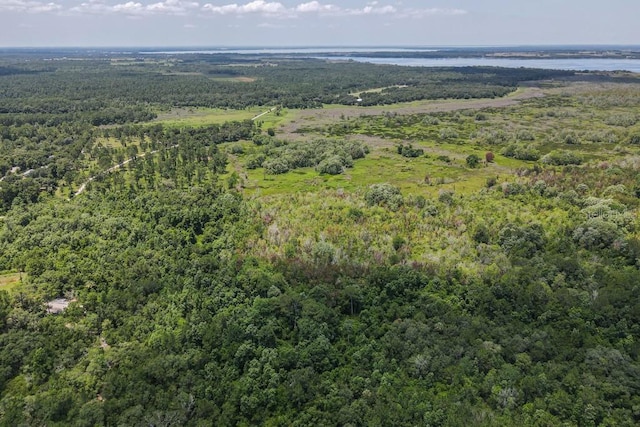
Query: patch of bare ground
[[322, 116], [582, 88]]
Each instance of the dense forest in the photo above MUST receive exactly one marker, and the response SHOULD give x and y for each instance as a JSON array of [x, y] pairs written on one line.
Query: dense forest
[[328, 263]]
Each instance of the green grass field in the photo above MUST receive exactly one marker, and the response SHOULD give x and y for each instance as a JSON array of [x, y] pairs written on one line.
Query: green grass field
[[477, 130], [10, 281], [207, 116], [422, 175]]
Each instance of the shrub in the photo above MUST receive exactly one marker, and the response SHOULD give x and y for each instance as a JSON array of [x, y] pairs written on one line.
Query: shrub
[[614, 189], [561, 158], [512, 188], [493, 136], [624, 120], [481, 234], [384, 195], [409, 151], [398, 242], [601, 136], [255, 162], [521, 152], [260, 140], [237, 149], [357, 150], [524, 240], [330, 166], [525, 135], [448, 133], [540, 187], [472, 160], [445, 196], [570, 138], [276, 166], [582, 188], [430, 120], [596, 233]]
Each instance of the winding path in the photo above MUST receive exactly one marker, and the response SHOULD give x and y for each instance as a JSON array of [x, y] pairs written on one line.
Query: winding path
[[262, 114], [83, 187]]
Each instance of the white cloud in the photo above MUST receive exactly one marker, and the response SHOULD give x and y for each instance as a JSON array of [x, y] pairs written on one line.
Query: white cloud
[[129, 7], [168, 7], [277, 9], [258, 6], [172, 6], [372, 9], [28, 6], [265, 8], [316, 7], [422, 13]]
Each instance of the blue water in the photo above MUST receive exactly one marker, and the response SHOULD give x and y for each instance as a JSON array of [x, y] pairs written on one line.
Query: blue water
[[586, 64], [284, 50], [342, 53]]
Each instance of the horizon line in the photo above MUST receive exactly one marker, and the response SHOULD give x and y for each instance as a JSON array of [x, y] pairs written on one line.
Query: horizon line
[[320, 46]]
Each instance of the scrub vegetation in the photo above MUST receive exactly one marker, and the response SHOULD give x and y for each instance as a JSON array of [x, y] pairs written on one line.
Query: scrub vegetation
[[378, 265]]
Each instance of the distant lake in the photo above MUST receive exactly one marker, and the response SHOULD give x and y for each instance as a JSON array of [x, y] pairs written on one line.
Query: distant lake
[[586, 64], [343, 54], [284, 50]]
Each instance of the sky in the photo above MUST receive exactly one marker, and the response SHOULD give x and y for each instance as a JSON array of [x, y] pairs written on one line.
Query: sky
[[290, 23]]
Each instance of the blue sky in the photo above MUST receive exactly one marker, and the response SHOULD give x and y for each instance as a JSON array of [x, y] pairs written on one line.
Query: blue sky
[[303, 22]]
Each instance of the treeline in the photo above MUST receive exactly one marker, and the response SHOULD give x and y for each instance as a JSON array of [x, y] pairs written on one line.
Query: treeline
[[433, 91]]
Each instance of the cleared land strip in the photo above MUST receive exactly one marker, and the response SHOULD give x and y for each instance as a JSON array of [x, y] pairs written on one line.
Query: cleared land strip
[[324, 115]]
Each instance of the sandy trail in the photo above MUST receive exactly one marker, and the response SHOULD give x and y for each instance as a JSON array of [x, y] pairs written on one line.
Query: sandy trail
[[83, 187]]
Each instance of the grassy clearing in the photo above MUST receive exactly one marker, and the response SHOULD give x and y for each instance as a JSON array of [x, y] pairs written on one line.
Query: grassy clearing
[[10, 281], [426, 175], [205, 116], [113, 142]]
